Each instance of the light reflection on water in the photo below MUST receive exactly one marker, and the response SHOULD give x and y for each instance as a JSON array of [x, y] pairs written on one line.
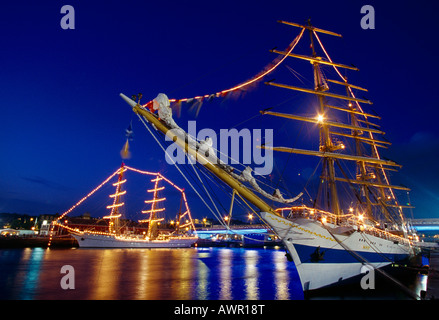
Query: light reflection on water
[[149, 274]]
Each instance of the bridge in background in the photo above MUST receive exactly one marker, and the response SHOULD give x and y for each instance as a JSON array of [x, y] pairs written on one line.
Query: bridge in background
[[419, 224], [425, 224], [246, 229]]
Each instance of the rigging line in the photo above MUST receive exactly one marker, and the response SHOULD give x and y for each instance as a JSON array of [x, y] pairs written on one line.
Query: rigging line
[[357, 195], [220, 218], [242, 198], [184, 168], [251, 118], [237, 200], [310, 198], [243, 207], [191, 176], [391, 215], [176, 166], [205, 189], [296, 74], [327, 56], [260, 218], [309, 180], [290, 155], [214, 179]]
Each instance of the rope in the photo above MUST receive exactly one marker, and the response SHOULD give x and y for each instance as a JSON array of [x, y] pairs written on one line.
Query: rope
[[176, 166], [207, 192], [220, 218], [205, 189]]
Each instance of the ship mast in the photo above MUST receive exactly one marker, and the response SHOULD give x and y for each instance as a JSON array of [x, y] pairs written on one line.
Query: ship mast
[[361, 165], [376, 190], [113, 217], [326, 144], [152, 220]]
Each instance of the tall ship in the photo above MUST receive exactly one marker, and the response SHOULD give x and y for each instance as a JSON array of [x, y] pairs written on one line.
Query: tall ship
[[118, 235], [355, 222]]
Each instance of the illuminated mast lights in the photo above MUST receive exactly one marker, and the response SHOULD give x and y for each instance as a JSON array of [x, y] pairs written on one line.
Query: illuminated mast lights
[[115, 214], [153, 220], [113, 225]]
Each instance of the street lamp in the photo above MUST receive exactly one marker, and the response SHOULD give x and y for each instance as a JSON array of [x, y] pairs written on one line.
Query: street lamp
[[227, 220], [250, 217]]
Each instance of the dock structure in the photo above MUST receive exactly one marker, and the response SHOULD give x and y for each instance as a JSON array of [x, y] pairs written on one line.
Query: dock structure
[[433, 277]]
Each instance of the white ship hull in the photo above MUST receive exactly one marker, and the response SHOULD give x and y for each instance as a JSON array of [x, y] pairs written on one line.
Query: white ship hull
[[87, 240], [321, 260]]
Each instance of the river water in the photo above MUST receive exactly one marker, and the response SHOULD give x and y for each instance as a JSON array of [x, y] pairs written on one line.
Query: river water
[[158, 274], [151, 274]]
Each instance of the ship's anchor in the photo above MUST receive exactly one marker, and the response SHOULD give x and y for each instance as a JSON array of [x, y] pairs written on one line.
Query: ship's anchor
[[317, 256]]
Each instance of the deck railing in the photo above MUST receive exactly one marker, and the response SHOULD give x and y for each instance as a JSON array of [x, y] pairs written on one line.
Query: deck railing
[[357, 222]]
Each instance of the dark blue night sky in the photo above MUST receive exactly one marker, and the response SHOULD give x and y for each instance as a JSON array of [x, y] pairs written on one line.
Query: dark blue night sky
[[63, 123]]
